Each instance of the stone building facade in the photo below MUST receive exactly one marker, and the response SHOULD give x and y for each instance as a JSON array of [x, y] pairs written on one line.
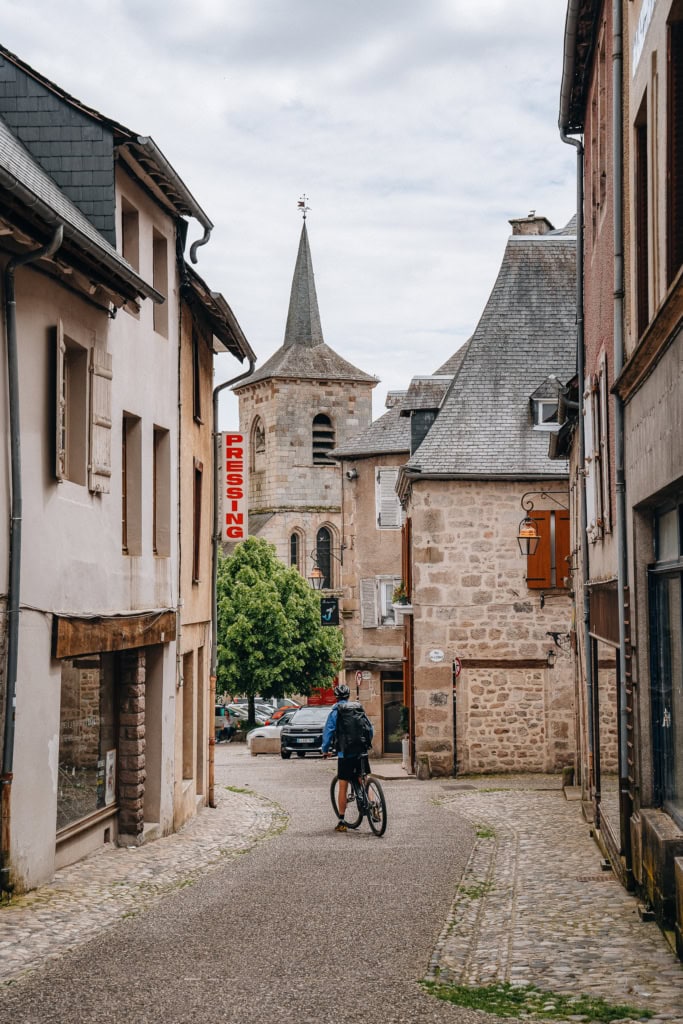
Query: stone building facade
[[294, 410], [489, 677]]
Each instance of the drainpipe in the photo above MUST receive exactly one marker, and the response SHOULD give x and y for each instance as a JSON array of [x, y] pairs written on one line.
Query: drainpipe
[[565, 95], [215, 540], [14, 587], [622, 557]]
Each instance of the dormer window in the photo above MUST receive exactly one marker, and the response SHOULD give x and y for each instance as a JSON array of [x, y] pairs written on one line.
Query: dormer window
[[323, 440], [544, 404], [545, 414]]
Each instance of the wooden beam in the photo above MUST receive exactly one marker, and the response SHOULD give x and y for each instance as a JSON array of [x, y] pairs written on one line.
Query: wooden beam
[[73, 636]]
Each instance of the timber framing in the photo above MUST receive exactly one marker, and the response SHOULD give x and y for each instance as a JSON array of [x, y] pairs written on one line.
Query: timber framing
[[74, 636]]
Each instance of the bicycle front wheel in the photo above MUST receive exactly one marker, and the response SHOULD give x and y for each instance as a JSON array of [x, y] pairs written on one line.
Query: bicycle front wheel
[[377, 807], [353, 815]]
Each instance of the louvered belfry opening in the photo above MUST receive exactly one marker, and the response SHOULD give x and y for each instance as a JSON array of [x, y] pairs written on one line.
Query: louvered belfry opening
[[323, 440]]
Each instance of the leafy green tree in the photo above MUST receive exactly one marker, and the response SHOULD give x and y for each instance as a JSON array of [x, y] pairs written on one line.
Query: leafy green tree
[[270, 639]]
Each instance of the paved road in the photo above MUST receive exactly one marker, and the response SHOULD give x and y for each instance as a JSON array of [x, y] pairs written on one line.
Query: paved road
[[309, 925]]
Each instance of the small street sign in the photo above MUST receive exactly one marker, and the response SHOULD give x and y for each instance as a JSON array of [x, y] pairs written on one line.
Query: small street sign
[[329, 611]]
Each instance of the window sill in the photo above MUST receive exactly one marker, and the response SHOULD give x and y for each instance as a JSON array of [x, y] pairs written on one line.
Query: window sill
[[403, 609]]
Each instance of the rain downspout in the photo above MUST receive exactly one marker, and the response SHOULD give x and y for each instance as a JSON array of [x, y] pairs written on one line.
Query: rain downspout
[[215, 540], [14, 587], [622, 559], [567, 81]]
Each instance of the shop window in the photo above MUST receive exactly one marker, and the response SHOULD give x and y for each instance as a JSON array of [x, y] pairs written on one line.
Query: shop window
[[549, 565], [666, 631], [87, 739], [323, 440]]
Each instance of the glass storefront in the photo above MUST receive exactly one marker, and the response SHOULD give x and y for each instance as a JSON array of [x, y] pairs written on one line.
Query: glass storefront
[[87, 739], [666, 626]]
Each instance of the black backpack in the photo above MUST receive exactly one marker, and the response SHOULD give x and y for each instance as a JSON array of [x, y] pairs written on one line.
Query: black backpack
[[354, 732]]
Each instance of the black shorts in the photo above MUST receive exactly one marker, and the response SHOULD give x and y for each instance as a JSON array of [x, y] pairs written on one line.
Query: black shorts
[[351, 767]]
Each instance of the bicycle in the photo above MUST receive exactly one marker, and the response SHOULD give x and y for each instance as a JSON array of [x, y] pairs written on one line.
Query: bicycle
[[365, 798]]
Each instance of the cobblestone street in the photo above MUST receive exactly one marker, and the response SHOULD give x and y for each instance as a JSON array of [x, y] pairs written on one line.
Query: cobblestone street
[[532, 907]]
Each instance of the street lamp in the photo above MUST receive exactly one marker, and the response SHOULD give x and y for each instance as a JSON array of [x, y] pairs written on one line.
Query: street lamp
[[316, 578], [527, 533]]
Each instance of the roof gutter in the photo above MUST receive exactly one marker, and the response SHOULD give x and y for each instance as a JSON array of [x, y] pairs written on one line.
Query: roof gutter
[[568, 76], [149, 146], [99, 254], [16, 515]]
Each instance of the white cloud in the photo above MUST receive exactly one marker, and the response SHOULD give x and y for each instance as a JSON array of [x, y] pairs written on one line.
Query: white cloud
[[417, 130]]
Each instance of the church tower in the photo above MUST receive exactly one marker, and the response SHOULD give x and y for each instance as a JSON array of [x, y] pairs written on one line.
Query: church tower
[[303, 402]]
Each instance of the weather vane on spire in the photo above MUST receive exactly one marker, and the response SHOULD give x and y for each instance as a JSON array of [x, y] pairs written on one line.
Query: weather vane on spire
[[303, 205]]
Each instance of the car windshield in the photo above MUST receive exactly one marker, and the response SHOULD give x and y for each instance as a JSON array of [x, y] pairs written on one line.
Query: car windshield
[[310, 716]]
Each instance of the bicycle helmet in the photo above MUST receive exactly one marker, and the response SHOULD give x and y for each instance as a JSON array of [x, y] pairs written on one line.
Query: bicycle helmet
[[342, 692]]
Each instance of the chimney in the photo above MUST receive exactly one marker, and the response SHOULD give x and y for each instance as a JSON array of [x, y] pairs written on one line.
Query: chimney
[[531, 225]]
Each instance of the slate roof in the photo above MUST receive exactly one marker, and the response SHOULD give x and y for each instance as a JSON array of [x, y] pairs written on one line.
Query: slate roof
[[526, 333], [453, 364], [34, 199], [425, 393], [214, 311], [304, 353], [77, 146], [387, 435]]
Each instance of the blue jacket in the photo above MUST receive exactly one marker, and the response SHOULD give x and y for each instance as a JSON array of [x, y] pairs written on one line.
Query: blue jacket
[[330, 730]]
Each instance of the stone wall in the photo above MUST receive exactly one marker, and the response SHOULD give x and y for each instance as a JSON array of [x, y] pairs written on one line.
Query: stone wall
[[514, 711], [131, 759]]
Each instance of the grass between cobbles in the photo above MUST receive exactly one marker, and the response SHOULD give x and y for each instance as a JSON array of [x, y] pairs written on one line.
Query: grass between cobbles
[[506, 1000]]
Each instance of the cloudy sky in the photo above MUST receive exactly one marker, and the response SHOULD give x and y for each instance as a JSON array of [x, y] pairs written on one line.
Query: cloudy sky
[[417, 128]]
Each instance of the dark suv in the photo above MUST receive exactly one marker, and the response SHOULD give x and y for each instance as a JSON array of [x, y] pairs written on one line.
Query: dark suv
[[303, 733]]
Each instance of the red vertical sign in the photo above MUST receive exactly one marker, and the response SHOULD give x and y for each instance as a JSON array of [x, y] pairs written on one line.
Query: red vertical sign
[[234, 488]]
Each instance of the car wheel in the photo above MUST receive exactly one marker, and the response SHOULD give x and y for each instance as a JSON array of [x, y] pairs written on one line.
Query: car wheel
[[286, 754], [301, 753]]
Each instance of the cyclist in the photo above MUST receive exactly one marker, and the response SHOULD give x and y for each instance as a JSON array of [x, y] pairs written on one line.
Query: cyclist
[[350, 766]]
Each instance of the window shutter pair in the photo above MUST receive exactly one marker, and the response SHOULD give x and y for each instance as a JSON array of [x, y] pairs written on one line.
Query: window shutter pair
[[100, 369], [552, 552], [389, 512]]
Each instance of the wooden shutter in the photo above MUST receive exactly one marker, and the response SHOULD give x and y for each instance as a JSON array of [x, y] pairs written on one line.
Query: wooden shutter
[[99, 466], [562, 548], [368, 603], [407, 556], [539, 565], [60, 402], [388, 505]]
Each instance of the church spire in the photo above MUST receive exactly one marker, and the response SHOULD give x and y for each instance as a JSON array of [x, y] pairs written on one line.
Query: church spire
[[303, 319]]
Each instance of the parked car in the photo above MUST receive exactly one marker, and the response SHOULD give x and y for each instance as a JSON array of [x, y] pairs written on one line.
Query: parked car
[[278, 714], [241, 711], [261, 707], [303, 734], [274, 730]]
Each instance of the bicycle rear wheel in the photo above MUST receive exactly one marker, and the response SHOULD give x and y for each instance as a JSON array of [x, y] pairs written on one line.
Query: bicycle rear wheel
[[353, 815], [377, 807]]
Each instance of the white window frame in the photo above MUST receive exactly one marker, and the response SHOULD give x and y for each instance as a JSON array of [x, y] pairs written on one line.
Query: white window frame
[[539, 405], [376, 605]]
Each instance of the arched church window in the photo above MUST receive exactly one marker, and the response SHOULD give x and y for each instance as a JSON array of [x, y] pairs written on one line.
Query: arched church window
[[323, 549], [295, 549], [257, 446], [323, 440]]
